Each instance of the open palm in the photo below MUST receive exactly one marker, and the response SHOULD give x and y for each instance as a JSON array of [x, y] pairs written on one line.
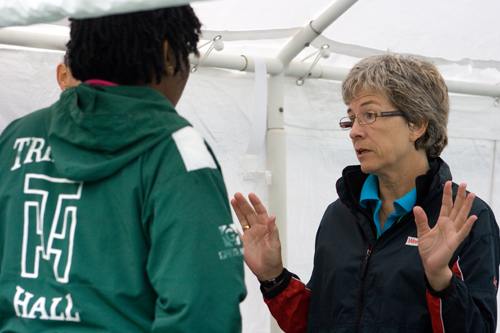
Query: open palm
[[437, 245], [260, 237]]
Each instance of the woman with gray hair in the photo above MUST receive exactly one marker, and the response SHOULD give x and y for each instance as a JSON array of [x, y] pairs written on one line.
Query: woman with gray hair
[[403, 249]]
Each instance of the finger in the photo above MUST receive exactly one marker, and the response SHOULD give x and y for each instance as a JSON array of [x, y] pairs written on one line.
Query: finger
[[459, 201], [255, 212], [464, 211], [242, 202], [245, 207], [260, 209], [271, 225], [447, 203], [464, 231], [421, 221], [239, 213]]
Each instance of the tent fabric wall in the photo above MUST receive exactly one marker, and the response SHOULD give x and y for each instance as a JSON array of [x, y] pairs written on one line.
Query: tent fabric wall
[[219, 104], [27, 81]]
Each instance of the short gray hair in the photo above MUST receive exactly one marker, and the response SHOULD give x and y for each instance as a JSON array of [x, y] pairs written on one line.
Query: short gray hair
[[413, 85]]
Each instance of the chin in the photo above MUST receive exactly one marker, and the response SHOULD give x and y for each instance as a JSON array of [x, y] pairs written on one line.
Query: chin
[[366, 169], [372, 168]]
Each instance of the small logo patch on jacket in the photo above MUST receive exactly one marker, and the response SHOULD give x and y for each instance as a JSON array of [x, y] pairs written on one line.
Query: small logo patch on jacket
[[412, 241], [232, 242]]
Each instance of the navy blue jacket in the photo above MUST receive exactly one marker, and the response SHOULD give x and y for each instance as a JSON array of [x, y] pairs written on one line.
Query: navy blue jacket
[[364, 284]]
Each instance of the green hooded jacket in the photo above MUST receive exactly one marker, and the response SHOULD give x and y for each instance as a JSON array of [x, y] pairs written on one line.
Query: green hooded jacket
[[114, 217]]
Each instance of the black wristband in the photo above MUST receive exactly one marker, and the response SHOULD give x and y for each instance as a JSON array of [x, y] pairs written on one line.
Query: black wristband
[[273, 282], [280, 285]]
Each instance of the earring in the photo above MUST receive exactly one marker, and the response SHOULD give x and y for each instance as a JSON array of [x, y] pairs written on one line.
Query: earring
[[170, 70]]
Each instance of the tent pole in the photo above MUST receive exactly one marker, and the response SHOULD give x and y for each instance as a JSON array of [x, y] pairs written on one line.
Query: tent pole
[[276, 156], [276, 139], [276, 163]]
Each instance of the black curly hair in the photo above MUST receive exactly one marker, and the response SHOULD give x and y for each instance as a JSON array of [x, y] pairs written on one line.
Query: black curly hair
[[128, 48]]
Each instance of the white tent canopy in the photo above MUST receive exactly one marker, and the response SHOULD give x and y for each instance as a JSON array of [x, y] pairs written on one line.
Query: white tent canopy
[[247, 94]]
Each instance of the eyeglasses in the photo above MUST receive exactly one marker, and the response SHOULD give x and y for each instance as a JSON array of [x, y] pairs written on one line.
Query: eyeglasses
[[365, 118]]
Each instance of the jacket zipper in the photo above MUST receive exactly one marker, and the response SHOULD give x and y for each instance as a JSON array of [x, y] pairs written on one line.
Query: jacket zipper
[[363, 275], [365, 263], [362, 287]]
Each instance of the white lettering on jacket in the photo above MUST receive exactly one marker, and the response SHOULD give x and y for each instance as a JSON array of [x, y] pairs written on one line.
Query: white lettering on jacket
[[36, 151], [50, 221], [38, 309]]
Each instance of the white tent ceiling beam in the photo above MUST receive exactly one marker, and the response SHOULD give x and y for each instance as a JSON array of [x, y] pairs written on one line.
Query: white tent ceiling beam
[[313, 30], [56, 39], [43, 36], [297, 69], [473, 88]]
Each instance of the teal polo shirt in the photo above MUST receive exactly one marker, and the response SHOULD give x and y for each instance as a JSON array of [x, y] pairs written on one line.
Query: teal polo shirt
[[369, 197]]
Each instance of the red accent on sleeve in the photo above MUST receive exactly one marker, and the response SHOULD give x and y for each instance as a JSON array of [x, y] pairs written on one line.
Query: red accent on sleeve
[[290, 308], [457, 270], [434, 304]]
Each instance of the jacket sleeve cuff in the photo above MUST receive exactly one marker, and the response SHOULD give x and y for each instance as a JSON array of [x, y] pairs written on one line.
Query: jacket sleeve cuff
[[280, 287], [446, 291]]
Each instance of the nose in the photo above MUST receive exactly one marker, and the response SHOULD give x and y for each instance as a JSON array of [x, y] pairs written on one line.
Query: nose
[[356, 129]]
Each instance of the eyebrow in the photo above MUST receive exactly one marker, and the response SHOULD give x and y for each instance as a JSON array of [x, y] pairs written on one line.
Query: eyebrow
[[368, 102]]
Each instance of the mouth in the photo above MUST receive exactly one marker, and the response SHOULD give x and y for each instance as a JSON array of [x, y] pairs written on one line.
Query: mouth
[[361, 151]]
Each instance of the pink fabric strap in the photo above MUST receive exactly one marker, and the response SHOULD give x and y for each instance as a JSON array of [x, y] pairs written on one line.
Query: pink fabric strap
[[99, 82]]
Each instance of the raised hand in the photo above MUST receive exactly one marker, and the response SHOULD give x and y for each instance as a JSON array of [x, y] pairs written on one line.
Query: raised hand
[[437, 245], [260, 237]]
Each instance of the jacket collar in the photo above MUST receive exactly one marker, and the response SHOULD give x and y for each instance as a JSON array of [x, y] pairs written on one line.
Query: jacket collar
[[353, 179]]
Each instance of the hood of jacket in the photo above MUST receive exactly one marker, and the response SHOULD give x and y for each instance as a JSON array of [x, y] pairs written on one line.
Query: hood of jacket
[[96, 130]]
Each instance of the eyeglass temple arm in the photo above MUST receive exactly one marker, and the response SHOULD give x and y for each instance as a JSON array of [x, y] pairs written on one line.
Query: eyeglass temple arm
[[391, 113]]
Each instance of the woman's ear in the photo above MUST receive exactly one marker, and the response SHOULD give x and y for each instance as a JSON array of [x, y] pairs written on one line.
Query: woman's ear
[[417, 131]]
